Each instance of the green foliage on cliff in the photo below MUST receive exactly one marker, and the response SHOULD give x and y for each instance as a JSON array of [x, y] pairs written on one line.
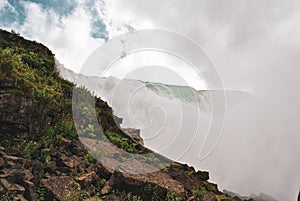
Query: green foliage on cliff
[[30, 68]]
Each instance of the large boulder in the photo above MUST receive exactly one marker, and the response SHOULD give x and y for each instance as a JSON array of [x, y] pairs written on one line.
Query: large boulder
[[144, 184], [20, 114], [59, 187], [209, 196]]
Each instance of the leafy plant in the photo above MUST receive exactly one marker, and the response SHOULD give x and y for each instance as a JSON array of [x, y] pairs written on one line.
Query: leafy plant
[[6, 196], [31, 150], [130, 197], [85, 195], [171, 197], [198, 193], [40, 193]]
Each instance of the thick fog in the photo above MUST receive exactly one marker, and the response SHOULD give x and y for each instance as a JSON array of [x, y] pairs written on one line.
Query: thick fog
[[255, 46]]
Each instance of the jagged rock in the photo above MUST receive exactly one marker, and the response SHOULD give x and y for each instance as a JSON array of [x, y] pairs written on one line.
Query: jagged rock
[[92, 199], [2, 162], [211, 187], [59, 187], [107, 167], [187, 180], [25, 114], [50, 167], [28, 175], [12, 164], [105, 189], [86, 180], [30, 190], [135, 183], [113, 198], [201, 175], [209, 196], [78, 148], [70, 162], [192, 198], [14, 175], [2, 190], [134, 134], [14, 189], [37, 171], [13, 158], [19, 198]]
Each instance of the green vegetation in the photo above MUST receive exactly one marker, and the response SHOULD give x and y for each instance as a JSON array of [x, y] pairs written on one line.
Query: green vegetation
[[85, 195], [52, 137], [29, 66], [100, 184], [223, 197], [154, 191], [123, 142], [31, 150], [198, 193], [88, 158], [6, 196], [40, 193], [72, 197], [130, 197], [171, 197]]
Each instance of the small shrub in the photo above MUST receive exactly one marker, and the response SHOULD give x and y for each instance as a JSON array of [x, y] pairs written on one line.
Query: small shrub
[[31, 150], [171, 197], [6, 196], [198, 193], [88, 158], [85, 195], [40, 193], [130, 197], [100, 184]]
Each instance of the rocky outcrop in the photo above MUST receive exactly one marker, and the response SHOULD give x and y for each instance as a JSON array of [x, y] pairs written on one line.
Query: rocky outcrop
[[59, 187], [74, 177], [20, 114]]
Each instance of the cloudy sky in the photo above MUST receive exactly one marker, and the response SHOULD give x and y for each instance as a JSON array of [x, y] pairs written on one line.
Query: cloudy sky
[[255, 45]]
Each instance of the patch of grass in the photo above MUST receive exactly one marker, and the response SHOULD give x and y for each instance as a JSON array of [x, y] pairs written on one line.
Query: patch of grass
[[85, 195], [171, 197], [6, 196], [32, 150], [198, 193], [130, 197]]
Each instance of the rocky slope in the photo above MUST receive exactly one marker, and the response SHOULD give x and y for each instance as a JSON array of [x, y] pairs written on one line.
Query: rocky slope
[[42, 158]]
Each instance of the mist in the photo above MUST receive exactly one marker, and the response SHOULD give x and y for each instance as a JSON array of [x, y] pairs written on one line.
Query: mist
[[255, 46], [258, 150]]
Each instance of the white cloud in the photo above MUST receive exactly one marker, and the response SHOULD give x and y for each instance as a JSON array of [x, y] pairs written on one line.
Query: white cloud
[[68, 36], [4, 4]]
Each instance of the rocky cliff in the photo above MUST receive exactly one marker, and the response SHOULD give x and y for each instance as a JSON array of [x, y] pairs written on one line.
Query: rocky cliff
[[42, 158]]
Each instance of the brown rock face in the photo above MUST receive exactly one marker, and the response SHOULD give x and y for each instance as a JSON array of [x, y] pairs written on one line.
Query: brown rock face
[[209, 196], [145, 184], [59, 187], [12, 187], [19, 114]]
